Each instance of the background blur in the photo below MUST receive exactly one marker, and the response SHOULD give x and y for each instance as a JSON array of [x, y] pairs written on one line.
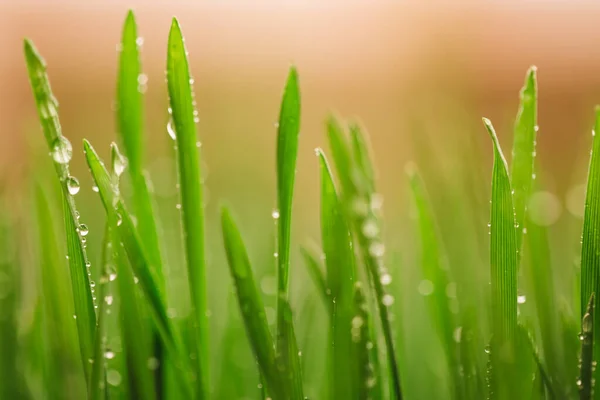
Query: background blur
[[417, 75]]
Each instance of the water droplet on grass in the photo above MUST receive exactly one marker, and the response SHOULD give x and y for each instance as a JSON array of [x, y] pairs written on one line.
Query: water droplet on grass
[[275, 214], [387, 300], [83, 230], [113, 377], [62, 150], [171, 129], [73, 185]]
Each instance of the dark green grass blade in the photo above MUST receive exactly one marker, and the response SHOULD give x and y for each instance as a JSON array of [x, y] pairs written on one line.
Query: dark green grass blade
[[436, 273], [522, 166], [192, 206], [361, 203], [340, 276], [251, 305], [585, 382], [590, 249], [315, 271], [61, 152], [503, 261], [288, 357], [287, 151], [128, 235]]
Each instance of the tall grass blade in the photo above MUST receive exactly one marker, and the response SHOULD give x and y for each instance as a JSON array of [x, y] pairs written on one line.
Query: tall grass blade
[[362, 205], [586, 380], [61, 152], [503, 262], [251, 305], [287, 150], [590, 249], [340, 277], [437, 274], [288, 355], [522, 166], [181, 98]]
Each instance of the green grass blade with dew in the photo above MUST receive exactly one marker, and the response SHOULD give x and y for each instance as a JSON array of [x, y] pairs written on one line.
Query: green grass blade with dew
[[340, 278], [61, 151], [590, 248], [363, 204], [503, 262], [251, 306], [316, 274], [184, 117]]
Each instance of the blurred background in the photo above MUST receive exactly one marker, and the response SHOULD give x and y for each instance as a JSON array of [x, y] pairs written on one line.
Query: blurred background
[[417, 75]]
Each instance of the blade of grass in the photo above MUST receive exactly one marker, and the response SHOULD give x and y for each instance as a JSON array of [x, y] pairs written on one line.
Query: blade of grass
[[437, 274], [288, 356], [340, 276], [251, 305], [192, 206], [287, 150], [315, 271], [362, 204], [135, 252], [503, 262], [585, 382], [590, 248], [61, 152], [522, 167]]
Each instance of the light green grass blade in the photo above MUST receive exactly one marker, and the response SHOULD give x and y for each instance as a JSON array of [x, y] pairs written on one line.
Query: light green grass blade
[[287, 150], [522, 166], [192, 206], [61, 152], [315, 271], [585, 382], [362, 204], [251, 305], [503, 262], [437, 274], [590, 249], [128, 235], [340, 277]]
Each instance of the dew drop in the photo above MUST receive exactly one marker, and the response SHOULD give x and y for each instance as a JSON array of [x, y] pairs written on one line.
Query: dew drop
[[109, 355], [385, 279], [95, 188], [118, 161], [139, 41], [83, 230], [171, 129], [275, 214], [108, 300], [62, 150], [521, 299], [113, 377], [73, 185], [387, 300]]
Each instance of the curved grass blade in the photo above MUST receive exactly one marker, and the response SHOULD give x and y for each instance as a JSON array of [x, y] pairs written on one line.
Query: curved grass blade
[[585, 383], [522, 167], [314, 269], [61, 152], [340, 276], [362, 205], [590, 248], [128, 235], [434, 272], [287, 150], [503, 262], [251, 305], [192, 206]]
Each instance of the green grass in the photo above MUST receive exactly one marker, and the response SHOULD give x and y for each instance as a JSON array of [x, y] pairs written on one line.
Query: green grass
[[434, 308]]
